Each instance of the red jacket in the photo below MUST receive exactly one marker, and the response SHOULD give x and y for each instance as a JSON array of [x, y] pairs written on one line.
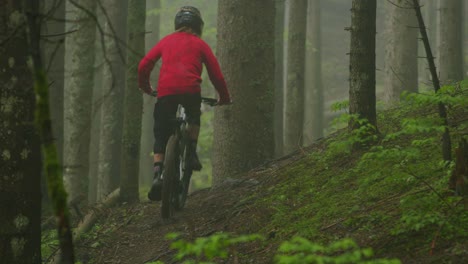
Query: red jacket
[[182, 56]]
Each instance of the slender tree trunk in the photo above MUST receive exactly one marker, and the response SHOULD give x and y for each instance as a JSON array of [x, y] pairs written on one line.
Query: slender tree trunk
[[313, 107], [429, 8], [294, 109], [96, 111], [446, 141], [465, 38], [110, 144], [146, 157], [243, 131], [20, 165], [279, 76], [77, 116], [401, 52], [362, 99], [133, 102], [450, 46], [54, 54]]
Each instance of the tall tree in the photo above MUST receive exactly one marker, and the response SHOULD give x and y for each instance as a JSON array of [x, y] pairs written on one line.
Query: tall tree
[[294, 100], [429, 9], [43, 122], [146, 158], [53, 50], [279, 75], [113, 87], [20, 165], [78, 94], [362, 99], [96, 110], [401, 52], [133, 102], [243, 131], [450, 45], [313, 107], [465, 33]]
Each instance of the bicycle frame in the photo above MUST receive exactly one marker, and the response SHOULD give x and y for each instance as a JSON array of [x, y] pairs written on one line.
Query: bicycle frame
[[177, 171]]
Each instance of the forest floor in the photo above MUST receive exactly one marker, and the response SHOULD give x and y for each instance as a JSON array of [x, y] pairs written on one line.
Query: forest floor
[[136, 234]]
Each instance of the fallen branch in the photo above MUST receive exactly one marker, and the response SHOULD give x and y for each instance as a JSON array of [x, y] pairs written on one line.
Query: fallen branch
[[90, 218]]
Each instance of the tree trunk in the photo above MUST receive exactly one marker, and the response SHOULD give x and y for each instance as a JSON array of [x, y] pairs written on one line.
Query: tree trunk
[[20, 207], [313, 107], [450, 46], [401, 52], [459, 179], [279, 76], [243, 131], [294, 108], [53, 50], [133, 103], [96, 112], [110, 144], [146, 157], [465, 39], [362, 99], [77, 116], [446, 141]]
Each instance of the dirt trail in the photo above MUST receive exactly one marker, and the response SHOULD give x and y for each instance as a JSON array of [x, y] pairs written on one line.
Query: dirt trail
[[136, 234]]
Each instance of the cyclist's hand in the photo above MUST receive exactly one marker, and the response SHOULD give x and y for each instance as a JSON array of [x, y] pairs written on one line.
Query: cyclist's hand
[[149, 91], [224, 101]]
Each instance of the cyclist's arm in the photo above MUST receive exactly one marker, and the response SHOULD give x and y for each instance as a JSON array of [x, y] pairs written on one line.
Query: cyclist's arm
[[146, 66], [215, 74]]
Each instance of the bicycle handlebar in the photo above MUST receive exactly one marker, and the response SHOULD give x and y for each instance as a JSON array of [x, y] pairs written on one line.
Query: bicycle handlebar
[[209, 101], [206, 100]]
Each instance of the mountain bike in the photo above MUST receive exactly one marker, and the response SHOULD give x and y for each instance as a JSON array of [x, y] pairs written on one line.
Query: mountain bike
[[177, 170]]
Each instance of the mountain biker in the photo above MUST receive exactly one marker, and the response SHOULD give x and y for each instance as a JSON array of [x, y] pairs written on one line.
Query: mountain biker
[[182, 52]]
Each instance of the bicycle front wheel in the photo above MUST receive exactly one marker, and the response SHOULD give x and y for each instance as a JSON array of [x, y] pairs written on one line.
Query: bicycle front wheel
[[170, 177]]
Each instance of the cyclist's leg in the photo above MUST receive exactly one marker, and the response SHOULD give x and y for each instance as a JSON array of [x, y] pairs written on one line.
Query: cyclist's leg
[[192, 104], [164, 111]]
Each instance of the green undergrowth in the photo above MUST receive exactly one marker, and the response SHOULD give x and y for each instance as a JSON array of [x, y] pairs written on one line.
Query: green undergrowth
[[391, 193]]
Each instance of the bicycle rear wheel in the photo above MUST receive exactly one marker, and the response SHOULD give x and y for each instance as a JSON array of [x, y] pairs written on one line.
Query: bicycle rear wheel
[[185, 173], [170, 177]]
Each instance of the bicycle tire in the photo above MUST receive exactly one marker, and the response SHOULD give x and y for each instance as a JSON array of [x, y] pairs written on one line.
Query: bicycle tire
[[169, 188], [185, 175]]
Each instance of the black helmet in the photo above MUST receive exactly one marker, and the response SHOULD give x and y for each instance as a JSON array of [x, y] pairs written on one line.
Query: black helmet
[[189, 16]]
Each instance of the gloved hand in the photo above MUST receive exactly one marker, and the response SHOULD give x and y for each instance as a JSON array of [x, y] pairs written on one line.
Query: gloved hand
[[224, 101]]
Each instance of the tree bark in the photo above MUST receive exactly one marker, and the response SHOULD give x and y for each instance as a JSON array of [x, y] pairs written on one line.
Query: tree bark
[[279, 76], [313, 107], [146, 157], [112, 97], [362, 98], [450, 46], [96, 111], [243, 131], [53, 50], [77, 116], [294, 100], [401, 52], [20, 164], [133, 103], [446, 141]]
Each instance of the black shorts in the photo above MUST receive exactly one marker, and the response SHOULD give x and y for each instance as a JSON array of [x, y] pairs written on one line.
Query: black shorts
[[165, 112]]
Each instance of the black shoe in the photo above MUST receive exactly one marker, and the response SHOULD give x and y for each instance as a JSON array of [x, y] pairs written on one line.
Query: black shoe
[[155, 192], [196, 164]]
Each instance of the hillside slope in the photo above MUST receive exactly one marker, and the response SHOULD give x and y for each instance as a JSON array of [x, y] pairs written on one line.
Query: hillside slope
[[391, 196]]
